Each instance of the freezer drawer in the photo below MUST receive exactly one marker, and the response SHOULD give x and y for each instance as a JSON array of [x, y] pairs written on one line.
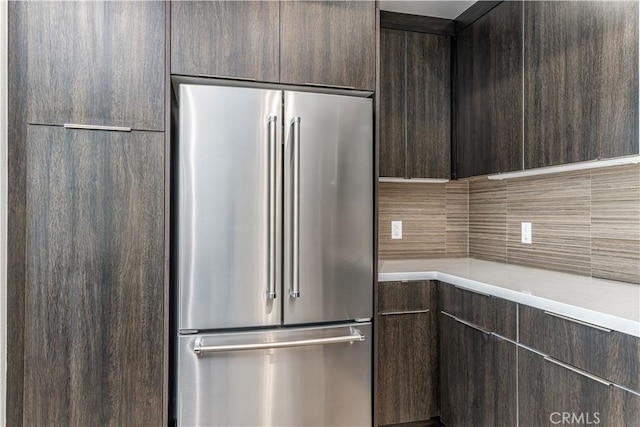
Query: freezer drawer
[[287, 377]]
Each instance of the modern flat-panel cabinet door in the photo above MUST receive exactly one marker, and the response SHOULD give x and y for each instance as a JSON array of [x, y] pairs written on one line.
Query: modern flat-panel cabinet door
[[98, 63], [428, 105], [477, 376], [415, 105], [580, 81], [489, 83], [549, 390], [329, 43], [94, 293], [407, 387], [226, 38], [393, 150]]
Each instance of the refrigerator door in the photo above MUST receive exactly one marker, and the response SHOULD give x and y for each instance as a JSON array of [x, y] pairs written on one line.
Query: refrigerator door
[[229, 168], [299, 377], [328, 269]]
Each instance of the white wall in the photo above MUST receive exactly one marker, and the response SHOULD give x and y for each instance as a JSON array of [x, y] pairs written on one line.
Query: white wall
[[3, 208]]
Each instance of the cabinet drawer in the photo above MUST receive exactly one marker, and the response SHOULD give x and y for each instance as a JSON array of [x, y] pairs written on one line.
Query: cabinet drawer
[[488, 312], [607, 354], [398, 297]]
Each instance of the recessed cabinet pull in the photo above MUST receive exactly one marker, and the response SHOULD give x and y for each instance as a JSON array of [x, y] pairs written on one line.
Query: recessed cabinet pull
[[580, 322], [97, 127], [394, 313], [216, 76], [471, 325], [578, 371], [473, 291], [323, 85]]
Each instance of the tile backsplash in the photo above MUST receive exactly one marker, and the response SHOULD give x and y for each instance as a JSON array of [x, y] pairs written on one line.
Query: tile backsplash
[[585, 222], [434, 217]]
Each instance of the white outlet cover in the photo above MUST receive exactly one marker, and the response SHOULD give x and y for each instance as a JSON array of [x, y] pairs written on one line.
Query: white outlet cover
[[526, 233], [396, 230]]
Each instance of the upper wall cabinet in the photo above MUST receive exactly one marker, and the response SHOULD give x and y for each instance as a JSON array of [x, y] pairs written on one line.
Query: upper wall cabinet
[[580, 81], [329, 43], [236, 39], [415, 105], [489, 83], [96, 63]]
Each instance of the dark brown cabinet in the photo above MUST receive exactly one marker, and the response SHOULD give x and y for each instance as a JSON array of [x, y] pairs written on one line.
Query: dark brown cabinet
[[601, 351], [489, 88], [415, 104], [97, 63], [237, 39], [407, 385], [94, 337], [393, 150], [477, 370], [477, 374], [328, 43], [551, 392], [580, 81]]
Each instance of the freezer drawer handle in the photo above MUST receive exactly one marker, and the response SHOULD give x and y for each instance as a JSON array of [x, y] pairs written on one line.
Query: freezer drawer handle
[[201, 349], [294, 292], [271, 291]]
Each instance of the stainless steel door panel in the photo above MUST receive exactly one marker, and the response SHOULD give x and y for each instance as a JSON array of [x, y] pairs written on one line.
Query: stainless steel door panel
[[333, 137], [224, 237], [311, 385]]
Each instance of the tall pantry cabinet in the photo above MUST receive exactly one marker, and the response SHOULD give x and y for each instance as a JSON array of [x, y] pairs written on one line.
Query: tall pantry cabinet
[[94, 351]]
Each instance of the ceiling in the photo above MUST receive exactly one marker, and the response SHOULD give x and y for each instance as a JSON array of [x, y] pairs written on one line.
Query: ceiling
[[439, 9]]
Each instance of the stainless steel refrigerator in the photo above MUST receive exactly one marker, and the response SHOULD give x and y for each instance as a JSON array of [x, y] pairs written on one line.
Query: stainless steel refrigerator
[[274, 257]]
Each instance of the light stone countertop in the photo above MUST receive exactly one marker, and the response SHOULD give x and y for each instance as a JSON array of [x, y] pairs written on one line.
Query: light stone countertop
[[610, 304]]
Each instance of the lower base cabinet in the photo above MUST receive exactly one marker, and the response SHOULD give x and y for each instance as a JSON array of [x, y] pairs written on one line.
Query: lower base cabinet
[[553, 393], [407, 374], [477, 375]]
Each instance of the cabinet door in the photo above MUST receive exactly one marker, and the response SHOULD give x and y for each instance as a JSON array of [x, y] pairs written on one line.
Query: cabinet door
[[548, 391], [489, 82], [407, 388], [477, 376], [580, 81], [392, 103], [99, 63], [226, 38], [428, 105], [407, 377], [330, 43], [94, 293]]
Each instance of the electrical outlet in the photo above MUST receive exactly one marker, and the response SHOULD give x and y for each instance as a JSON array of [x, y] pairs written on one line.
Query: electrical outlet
[[396, 229], [526, 233]]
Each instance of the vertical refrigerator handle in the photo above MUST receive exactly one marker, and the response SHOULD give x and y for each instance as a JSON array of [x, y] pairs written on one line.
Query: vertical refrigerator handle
[[272, 147], [294, 291]]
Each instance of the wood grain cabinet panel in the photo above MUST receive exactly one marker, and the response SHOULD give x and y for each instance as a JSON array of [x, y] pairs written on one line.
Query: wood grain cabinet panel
[[226, 38], [330, 43], [407, 387], [477, 376], [406, 296], [428, 105], [580, 81], [608, 354], [547, 391], [489, 87], [415, 105], [485, 311], [100, 63], [94, 292], [393, 152]]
